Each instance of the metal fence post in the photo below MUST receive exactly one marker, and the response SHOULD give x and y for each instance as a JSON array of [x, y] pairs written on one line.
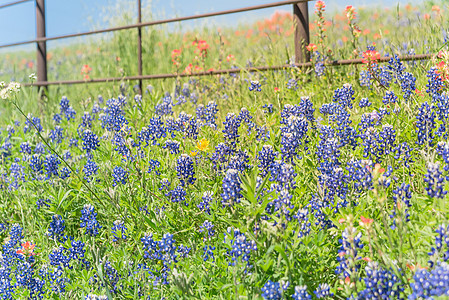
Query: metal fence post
[[302, 36], [41, 46], [139, 42]]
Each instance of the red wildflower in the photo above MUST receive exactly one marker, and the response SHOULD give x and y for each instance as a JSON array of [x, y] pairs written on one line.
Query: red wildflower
[[366, 221], [320, 5], [86, 69], [27, 249], [370, 57], [311, 47], [230, 57], [350, 13], [443, 70], [175, 57]]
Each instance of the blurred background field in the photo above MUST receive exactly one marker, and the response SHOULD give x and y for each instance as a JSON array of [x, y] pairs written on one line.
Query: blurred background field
[[263, 37]]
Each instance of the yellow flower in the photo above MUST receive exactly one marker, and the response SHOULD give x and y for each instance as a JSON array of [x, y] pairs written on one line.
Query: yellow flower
[[193, 153], [202, 145]]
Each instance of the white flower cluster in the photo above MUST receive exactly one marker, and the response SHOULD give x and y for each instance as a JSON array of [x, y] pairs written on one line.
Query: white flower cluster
[[8, 90]]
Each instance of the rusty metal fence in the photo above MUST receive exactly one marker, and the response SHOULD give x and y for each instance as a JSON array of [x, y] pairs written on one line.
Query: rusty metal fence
[[301, 39]]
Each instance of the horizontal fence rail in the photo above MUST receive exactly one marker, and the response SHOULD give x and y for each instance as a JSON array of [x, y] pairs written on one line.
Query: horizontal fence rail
[[14, 3], [159, 22], [342, 62]]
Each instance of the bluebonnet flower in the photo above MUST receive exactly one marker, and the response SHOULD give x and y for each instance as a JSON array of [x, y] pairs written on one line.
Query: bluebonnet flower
[[284, 174], [239, 161], [122, 146], [401, 197], [435, 82], [294, 134], [111, 276], [344, 96], [119, 175], [165, 184], [389, 98], [96, 109], [435, 181], [113, 118], [90, 169], [41, 202], [66, 109], [348, 253], [408, 84], [16, 174], [231, 188], [366, 78], [323, 291], [163, 251], [177, 195], [395, 65], [425, 124], [165, 107], [208, 253], [73, 142], [320, 67], [302, 216], [204, 205], [95, 297], [268, 108], [66, 155], [301, 293], [173, 146], [255, 86], [154, 131], [207, 114], [25, 148], [183, 251], [209, 227], [262, 133], [191, 127], [33, 123], [380, 284], [403, 152], [118, 231], [231, 127], [221, 155], [89, 220], [430, 284], [40, 148], [245, 117], [86, 120], [441, 245], [281, 207], [56, 229], [241, 246], [266, 158], [56, 135], [154, 166], [360, 174], [64, 173], [51, 164], [272, 290], [36, 164], [185, 169], [292, 84], [384, 76], [59, 257], [364, 102], [90, 141]]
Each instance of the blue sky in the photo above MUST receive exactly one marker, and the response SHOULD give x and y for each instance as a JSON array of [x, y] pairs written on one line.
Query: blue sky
[[66, 16]]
